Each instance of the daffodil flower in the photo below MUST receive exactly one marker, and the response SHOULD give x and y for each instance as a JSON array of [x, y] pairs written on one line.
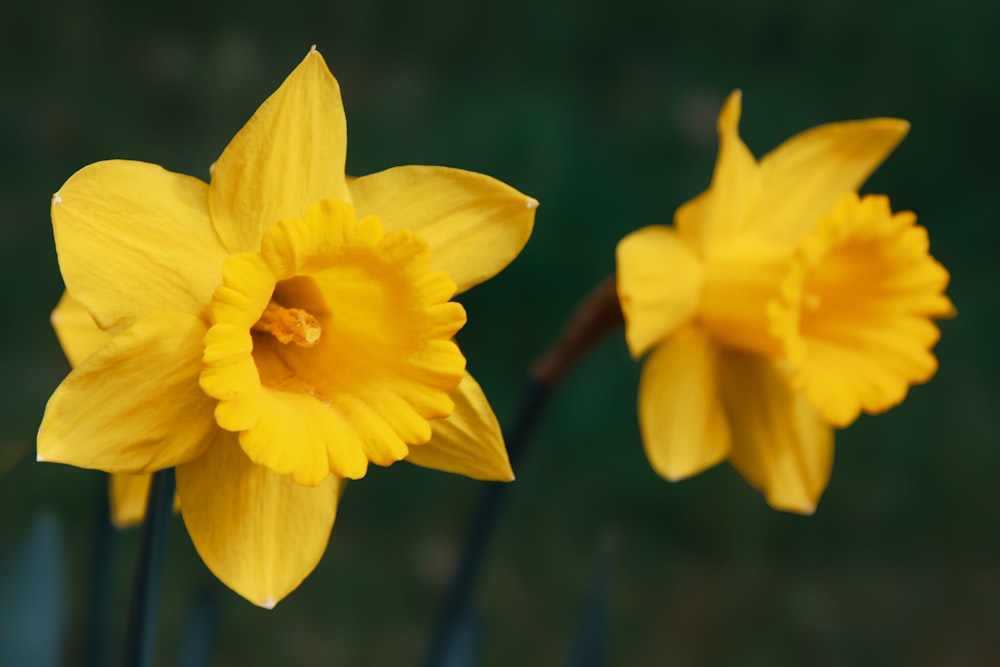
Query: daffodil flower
[[274, 331], [780, 304]]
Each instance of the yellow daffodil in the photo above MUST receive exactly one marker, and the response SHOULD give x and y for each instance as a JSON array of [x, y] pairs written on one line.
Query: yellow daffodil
[[780, 304], [272, 332]]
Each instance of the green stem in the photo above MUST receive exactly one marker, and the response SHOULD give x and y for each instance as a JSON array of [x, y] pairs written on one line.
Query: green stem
[[597, 315], [148, 578], [455, 614], [97, 650]]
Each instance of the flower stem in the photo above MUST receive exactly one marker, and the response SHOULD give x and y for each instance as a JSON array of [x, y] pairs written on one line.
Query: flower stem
[[97, 649], [148, 578], [597, 315], [455, 610]]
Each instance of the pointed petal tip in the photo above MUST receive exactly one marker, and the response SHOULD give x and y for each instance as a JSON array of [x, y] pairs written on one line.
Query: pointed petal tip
[[635, 350], [270, 602], [56, 199], [475, 225], [677, 474], [39, 458], [727, 124], [733, 104], [895, 127], [804, 508], [312, 50]]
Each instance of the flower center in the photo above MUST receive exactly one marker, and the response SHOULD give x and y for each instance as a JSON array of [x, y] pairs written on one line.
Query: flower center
[[289, 325], [311, 394]]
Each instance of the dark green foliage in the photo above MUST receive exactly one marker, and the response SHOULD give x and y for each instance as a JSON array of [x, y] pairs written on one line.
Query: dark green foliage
[[603, 111]]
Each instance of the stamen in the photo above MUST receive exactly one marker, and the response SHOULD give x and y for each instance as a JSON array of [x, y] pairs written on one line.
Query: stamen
[[289, 325]]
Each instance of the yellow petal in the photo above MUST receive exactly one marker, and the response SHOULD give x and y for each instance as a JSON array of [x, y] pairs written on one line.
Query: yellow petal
[[469, 442], [779, 443], [129, 495], [723, 210], [134, 405], [659, 285], [475, 224], [259, 532], [78, 334], [135, 239], [804, 176], [683, 425], [288, 155], [80, 337]]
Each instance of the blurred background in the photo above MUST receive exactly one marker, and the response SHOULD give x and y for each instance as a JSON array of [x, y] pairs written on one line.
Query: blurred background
[[603, 111]]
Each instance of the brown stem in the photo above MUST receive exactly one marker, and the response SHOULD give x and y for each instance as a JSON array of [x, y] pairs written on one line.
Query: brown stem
[[598, 315]]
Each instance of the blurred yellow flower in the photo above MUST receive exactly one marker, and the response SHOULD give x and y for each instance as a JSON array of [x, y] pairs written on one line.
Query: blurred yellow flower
[[780, 304], [273, 331]]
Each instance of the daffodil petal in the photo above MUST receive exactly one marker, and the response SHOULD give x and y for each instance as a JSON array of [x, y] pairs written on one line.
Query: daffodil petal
[[468, 442], [683, 425], [259, 532], [290, 154], [475, 224], [806, 175], [779, 442], [76, 330], [723, 210], [129, 495], [135, 239], [659, 285], [135, 404]]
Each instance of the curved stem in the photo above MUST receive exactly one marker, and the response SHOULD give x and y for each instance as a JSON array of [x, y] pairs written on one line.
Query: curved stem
[[455, 611], [148, 578], [597, 315]]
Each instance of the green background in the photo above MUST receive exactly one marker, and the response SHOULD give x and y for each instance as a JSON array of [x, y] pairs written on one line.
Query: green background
[[605, 113]]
